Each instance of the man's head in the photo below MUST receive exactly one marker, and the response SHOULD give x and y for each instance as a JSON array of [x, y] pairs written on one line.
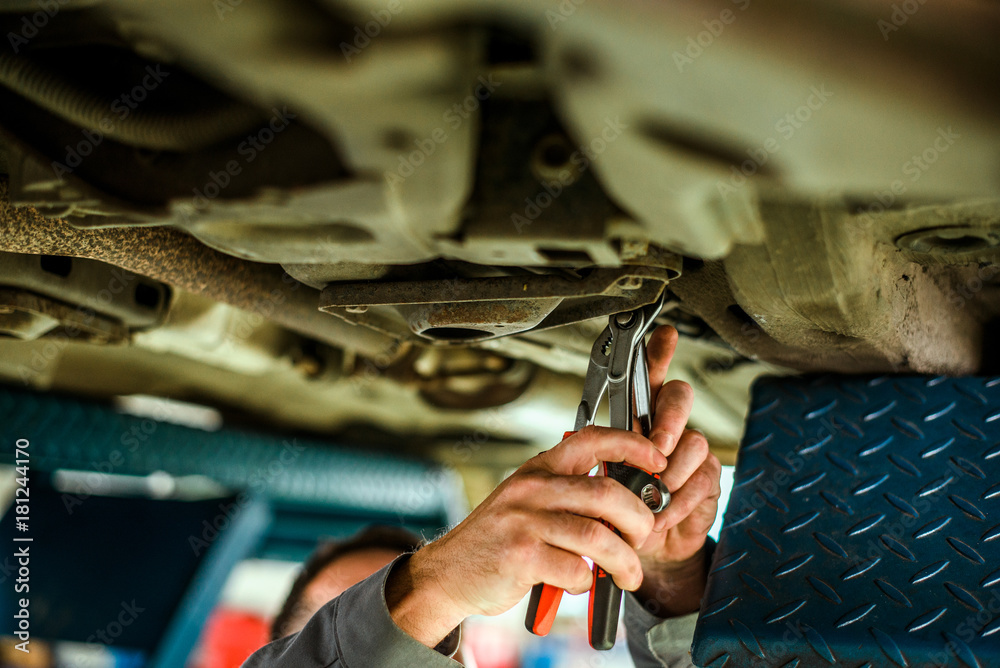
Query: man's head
[[336, 566]]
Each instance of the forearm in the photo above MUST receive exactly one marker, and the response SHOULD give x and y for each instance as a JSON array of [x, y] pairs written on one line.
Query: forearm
[[674, 589], [417, 603]]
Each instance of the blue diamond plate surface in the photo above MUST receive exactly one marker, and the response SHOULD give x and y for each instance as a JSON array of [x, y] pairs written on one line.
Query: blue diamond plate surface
[[863, 528]]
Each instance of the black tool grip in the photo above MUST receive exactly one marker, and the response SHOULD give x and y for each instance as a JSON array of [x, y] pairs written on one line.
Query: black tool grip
[[605, 608], [605, 595], [633, 478]]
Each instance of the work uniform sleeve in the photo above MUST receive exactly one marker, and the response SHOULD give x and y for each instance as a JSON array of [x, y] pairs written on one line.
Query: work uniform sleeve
[[355, 630], [655, 642]]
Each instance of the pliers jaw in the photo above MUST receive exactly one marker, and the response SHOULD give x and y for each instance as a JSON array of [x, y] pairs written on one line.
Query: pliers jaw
[[617, 357], [596, 382]]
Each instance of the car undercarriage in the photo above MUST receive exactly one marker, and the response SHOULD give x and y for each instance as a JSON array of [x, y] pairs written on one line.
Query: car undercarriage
[[409, 221]]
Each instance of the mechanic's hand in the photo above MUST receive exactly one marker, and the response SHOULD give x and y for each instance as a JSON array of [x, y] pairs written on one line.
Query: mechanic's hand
[[533, 528], [672, 555]]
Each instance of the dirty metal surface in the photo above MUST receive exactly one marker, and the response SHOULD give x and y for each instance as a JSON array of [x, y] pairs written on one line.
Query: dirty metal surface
[[863, 529], [179, 260], [606, 282]]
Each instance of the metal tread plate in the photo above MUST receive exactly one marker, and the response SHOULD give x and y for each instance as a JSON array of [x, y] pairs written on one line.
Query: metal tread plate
[[863, 528]]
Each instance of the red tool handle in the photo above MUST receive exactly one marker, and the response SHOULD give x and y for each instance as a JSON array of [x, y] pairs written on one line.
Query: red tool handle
[[542, 607], [544, 601]]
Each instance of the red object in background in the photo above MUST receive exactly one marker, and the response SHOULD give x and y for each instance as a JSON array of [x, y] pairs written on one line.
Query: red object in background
[[491, 646], [230, 637]]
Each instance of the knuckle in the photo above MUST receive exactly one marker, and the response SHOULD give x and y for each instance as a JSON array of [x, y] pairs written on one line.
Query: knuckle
[[701, 479], [592, 532], [541, 460], [675, 412], [526, 484], [598, 489], [699, 443], [607, 490]]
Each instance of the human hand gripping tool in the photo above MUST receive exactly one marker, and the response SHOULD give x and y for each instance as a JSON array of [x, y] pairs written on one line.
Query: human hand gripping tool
[[618, 365]]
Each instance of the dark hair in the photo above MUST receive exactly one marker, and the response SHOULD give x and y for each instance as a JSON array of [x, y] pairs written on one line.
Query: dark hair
[[371, 538]]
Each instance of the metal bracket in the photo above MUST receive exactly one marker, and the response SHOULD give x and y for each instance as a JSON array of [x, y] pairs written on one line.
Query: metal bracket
[[616, 282]]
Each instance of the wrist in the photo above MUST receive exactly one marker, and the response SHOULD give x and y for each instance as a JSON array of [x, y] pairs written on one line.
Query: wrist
[[418, 604], [673, 589]]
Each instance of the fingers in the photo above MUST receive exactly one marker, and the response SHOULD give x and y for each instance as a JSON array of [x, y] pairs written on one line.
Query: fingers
[[673, 407], [562, 569], [585, 536], [691, 451], [696, 502], [659, 351], [601, 498], [585, 449]]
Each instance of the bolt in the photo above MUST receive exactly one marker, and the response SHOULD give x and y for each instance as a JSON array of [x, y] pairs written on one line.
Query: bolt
[[625, 319]]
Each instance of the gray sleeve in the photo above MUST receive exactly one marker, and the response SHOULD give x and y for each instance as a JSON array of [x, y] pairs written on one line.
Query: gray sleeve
[[353, 630], [655, 642]]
